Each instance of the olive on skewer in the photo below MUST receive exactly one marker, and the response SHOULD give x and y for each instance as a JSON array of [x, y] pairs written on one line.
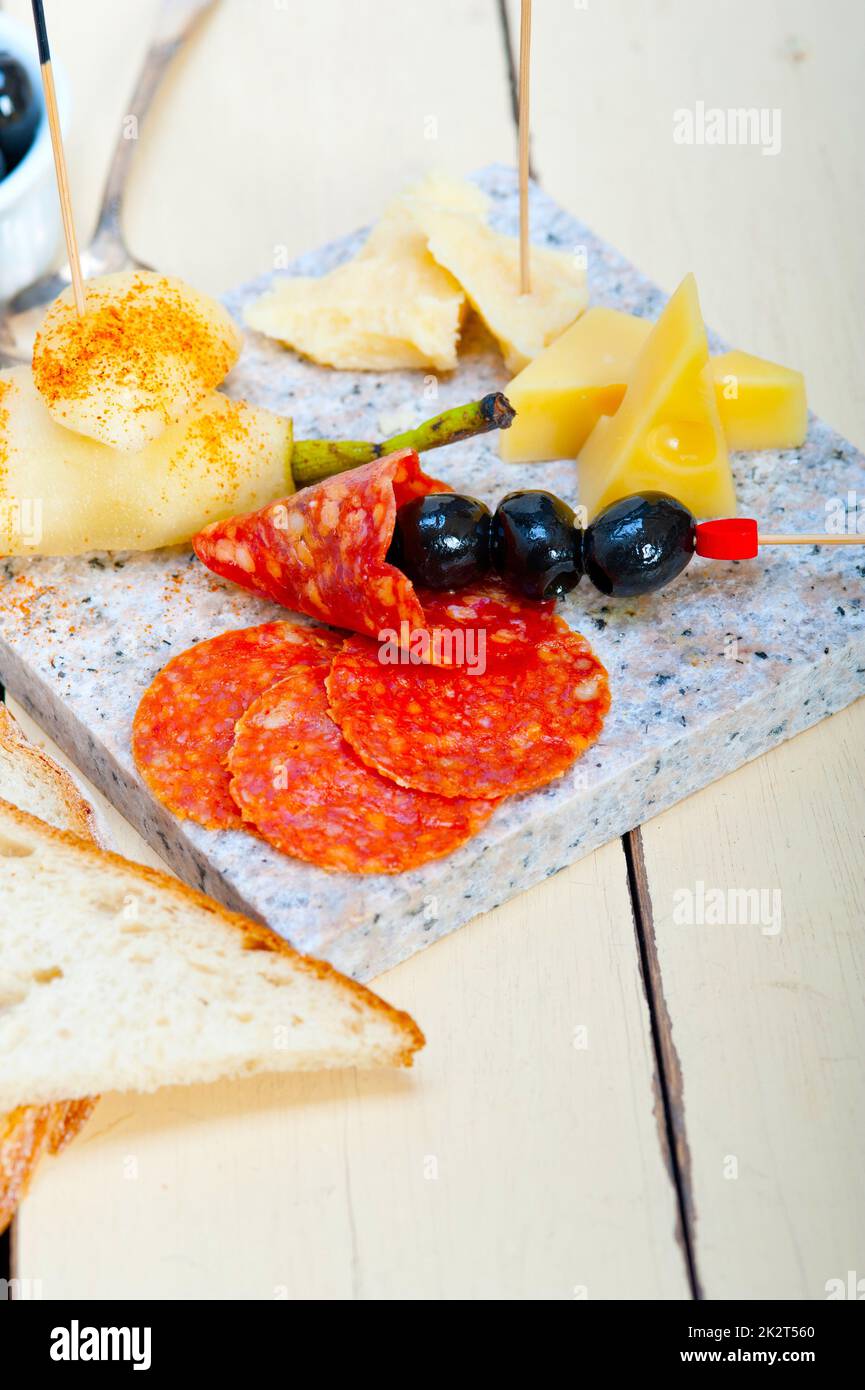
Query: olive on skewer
[[639, 544], [636, 545], [537, 543], [534, 541], [442, 540]]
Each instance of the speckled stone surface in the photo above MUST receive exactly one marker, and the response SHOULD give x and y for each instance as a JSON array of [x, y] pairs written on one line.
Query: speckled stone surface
[[705, 675]]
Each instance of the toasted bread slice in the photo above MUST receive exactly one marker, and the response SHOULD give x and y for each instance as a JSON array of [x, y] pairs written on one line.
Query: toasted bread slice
[[117, 977], [35, 783]]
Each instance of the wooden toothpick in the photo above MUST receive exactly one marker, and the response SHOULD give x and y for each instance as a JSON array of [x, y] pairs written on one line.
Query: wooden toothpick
[[523, 104], [59, 156], [818, 538], [739, 538]]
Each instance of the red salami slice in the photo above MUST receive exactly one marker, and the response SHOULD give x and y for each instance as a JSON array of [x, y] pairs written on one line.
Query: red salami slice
[[307, 792], [185, 722], [528, 699], [322, 551]]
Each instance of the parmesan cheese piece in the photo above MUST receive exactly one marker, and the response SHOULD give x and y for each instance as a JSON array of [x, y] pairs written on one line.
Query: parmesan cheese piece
[[487, 266], [562, 394], [376, 313], [391, 306]]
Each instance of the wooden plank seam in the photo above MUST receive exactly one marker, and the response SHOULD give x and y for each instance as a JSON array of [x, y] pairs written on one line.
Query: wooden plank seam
[[669, 1083]]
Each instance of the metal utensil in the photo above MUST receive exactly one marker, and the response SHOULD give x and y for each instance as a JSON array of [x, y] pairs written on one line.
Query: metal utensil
[[107, 250]]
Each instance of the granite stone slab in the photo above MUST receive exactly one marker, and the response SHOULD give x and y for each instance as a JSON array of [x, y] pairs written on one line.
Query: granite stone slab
[[731, 660]]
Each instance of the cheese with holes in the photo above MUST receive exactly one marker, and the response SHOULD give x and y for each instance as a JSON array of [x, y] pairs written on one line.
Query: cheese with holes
[[666, 434], [561, 396]]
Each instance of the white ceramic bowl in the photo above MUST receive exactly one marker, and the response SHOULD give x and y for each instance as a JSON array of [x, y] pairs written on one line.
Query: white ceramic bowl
[[30, 224]]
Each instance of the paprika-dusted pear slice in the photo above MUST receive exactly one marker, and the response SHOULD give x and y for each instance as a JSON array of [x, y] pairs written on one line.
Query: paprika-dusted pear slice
[[666, 435], [323, 551], [64, 494], [146, 351]]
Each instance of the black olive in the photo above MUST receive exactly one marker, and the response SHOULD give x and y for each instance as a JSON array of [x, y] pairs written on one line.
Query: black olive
[[639, 544], [536, 545], [442, 541], [20, 111]]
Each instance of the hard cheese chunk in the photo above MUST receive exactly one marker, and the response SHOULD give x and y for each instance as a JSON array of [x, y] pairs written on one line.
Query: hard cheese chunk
[[561, 396], [63, 494], [391, 306], [397, 231], [376, 314], [666, 434], [762, 404], [487, 265]]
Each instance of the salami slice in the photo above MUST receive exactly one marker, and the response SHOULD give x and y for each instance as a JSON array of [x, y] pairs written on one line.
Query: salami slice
[[185, 722], [527, 700], [322, 551], [306, 791]]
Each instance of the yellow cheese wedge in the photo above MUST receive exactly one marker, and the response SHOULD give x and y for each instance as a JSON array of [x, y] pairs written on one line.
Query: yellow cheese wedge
[[666, 434], [487, 265], [561, 395], [762, 404]]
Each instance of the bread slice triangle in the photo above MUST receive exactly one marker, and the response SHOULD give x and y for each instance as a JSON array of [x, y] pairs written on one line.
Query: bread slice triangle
[[35, 783], [116, 977]]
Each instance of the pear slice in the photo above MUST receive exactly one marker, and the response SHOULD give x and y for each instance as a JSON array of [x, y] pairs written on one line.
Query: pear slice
[[146, 351], [64, 494]]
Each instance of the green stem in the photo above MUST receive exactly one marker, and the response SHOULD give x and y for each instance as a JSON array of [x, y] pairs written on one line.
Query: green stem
[[314, 459]]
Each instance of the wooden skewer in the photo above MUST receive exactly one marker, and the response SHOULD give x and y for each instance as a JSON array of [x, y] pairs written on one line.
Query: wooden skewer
[[738, 538], [818, 538], [523, 102], [59, 156]]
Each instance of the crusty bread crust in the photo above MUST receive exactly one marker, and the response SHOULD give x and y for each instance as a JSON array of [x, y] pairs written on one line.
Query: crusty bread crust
[[26, 1134], [79, 813], [33, 1130], [256, 937]]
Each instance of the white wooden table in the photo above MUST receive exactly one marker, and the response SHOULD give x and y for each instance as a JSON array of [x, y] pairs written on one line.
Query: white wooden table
[[611, 1105]]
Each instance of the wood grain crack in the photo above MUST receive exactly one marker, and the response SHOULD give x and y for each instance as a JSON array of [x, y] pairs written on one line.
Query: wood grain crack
[[668, 1081]]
